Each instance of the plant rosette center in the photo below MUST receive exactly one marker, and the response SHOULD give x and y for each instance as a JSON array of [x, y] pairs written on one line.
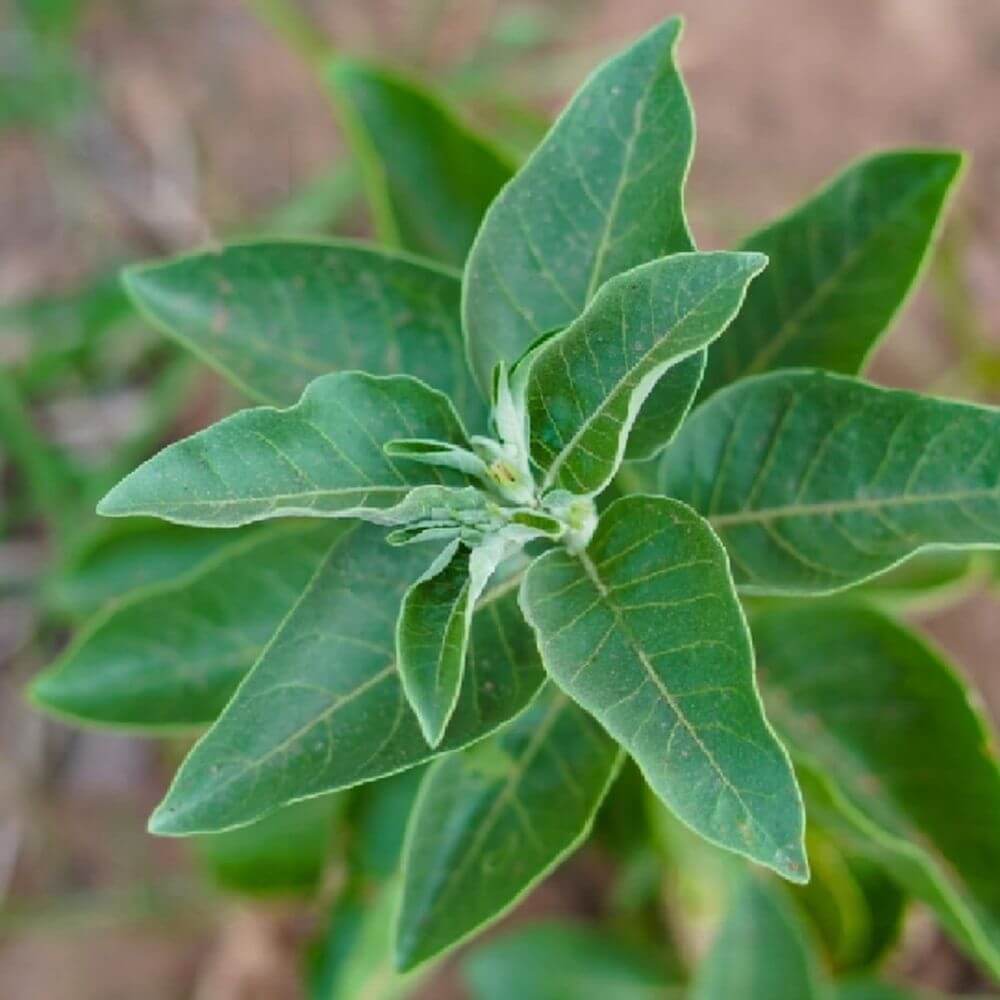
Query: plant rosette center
[[510, 506]]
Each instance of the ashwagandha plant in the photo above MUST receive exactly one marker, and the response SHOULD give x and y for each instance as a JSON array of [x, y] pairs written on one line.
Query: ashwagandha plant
[[511, 549]]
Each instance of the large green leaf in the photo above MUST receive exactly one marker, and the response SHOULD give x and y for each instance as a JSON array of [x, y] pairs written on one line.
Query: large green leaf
[[904, 757], [600, 195], [493, 820], [645, 631], [436, 176], [172, 655], [585, 386], [554, 961], [323, 457], [841, 267], [761, 952], [817, 481], [273, 315], [324, 709], [283, 853]]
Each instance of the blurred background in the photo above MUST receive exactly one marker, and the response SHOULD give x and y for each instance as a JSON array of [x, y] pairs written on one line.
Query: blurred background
[[132, 129]]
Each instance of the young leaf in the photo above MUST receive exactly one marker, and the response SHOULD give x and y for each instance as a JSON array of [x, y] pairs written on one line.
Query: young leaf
[[585, 386], [323, 457], [492, 821], [841, 267], [281, 854], [273, 315], [761, 952], [323, 707], [600, 195], [432, 633], [545, 961], [170, 656], [905, 757], [436, 176], [815, 481], [644, 630]]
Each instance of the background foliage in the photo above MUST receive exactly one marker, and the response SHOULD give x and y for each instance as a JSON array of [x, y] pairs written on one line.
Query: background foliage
[[114, 156]]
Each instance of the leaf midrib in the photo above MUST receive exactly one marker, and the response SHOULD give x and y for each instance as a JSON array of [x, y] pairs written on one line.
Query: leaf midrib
[[279, 497], [610, 218], [842, 506]]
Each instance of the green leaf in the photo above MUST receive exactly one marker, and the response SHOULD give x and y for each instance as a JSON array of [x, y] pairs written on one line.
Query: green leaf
[[436, 175], [284, 853], [665, 408], [644, 630], [492, 821], [585, 386], [323, 708], [905, 759], [815, 481], [841, 267], [126, 556], [432, 633], [561, 961], [871, 989], [354, 957], [272, 316], [322, 457], [854, 906], [761, 952], [171, 656], [600, 195]]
